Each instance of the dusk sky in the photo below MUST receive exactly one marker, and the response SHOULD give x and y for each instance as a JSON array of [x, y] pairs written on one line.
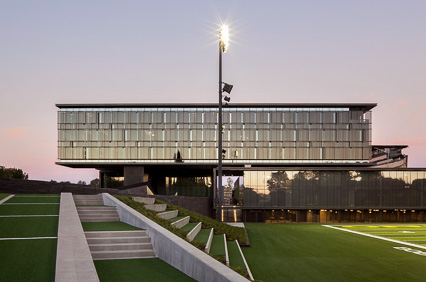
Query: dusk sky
[[93, 51]]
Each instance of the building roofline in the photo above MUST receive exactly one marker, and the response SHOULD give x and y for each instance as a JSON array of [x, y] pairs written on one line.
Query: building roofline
[[368, 106]]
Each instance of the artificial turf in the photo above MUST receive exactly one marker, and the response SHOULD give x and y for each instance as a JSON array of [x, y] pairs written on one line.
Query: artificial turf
[[189, 226], [312, 252], [107, 226], [176, 218], [28, 260], [410, 233], [3, 195], [218, 245], [149, 269], [203, 235], [235, 258], [29, 209], [18, 227], [37, 199]]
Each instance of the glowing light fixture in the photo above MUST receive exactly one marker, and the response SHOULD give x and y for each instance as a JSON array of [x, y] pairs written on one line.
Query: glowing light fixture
[[224, 37]]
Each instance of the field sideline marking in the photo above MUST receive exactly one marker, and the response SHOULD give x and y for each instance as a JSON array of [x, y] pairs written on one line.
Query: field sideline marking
[[5, 199], [28, 215], [27, 238], [377, 237]]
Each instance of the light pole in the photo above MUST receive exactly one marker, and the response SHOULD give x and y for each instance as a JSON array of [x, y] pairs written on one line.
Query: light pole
[[223, 47]]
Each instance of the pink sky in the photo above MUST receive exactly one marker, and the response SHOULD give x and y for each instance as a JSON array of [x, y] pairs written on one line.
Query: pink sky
[[144, 51]]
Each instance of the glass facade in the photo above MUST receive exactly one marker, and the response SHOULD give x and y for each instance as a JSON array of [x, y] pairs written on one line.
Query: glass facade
[[251, 134], [340, 189]]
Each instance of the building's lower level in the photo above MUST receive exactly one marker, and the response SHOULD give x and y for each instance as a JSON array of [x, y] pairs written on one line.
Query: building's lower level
[[299, 194], [238, 214]]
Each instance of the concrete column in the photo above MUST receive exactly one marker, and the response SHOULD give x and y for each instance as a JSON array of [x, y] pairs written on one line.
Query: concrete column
[[101, 179], [133, 175]]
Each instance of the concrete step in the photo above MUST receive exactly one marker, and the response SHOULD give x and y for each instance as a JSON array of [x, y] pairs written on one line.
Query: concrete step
[[156, 207], [88, 202], [126, 254], [118, 240], [148, 201], [96, 196], [102, 208], [168, 214], [209, 241], [99, 219], [109, 234], [120, 246], [98, 213], [181, 222], [191, 234]]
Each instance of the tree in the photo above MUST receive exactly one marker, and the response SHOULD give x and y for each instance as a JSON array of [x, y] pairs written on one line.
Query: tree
[[95, 182], [15, 173], [81, 182], [278, 180]]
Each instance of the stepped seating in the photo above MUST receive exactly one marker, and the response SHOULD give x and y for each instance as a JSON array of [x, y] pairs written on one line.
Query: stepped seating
[[119, 244], [97, 214], [147, 201], [168, 214], [156, 207], [180, 222], [88, 200]]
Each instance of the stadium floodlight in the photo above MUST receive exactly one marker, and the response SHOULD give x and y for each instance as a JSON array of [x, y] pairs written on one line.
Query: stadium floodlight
[[224, 38], [227, 87]]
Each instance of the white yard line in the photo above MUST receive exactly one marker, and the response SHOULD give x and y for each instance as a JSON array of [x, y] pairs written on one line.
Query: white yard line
[[29, 215], [5, 199], [31, 204], [377, 237], [27, 238]]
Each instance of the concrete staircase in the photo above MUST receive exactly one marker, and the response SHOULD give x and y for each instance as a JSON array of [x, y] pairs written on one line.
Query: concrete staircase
[[97, 214], [88, 200], [119, 244]]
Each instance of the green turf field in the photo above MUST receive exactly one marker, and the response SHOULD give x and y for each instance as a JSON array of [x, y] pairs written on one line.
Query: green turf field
[[29, 209], [149, 269], [408, 233], [17, 227], [23, 257], [3, 195], [38, 199], [28, 260], [107, 226], [312, 252]]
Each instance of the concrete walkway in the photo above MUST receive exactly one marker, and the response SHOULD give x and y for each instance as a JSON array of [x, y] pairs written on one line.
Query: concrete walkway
[[73, 259]]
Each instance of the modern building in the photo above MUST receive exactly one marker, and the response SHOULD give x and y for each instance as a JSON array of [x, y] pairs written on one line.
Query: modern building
[[282, 162]]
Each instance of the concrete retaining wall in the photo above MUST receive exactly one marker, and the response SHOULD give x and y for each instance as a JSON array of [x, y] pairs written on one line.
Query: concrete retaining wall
[[174, 250], [73, 258]]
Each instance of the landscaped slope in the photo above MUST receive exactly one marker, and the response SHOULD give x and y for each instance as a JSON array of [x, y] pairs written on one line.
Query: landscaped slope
[[195, 228]]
